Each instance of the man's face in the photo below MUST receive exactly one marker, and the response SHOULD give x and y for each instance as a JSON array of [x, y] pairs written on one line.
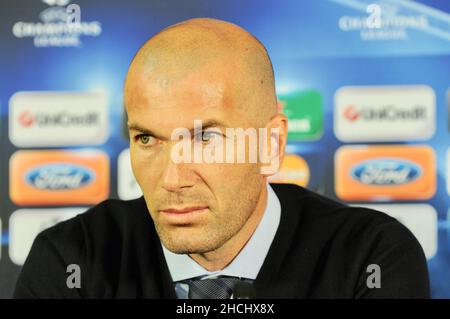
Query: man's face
[[196, 207]]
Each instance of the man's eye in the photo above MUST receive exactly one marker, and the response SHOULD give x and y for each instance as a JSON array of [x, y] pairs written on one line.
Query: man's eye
[[207, 136], [145, 139]]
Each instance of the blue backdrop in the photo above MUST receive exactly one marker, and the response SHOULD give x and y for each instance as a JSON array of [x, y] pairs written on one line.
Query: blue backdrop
[[314, 45]]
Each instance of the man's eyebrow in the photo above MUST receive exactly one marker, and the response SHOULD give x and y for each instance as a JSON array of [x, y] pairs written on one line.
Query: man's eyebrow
[[211, 123], [142, 130], [205, 125]]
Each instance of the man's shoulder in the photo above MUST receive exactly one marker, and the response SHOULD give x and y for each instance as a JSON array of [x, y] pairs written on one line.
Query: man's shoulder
[[331, 238], [313, 209], [96, 241], [108, 219]]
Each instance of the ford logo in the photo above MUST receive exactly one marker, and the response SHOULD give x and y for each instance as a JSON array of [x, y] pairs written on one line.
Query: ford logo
[[59, 177], [386, 171]]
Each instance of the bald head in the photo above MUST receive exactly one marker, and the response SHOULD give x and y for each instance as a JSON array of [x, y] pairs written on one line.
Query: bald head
[[232, 62], [215, 73]]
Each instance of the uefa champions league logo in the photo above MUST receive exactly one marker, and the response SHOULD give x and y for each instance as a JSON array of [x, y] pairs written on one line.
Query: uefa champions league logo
[[60, 26]]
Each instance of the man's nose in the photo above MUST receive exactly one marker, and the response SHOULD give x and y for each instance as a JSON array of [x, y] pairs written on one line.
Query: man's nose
[[176, 177]]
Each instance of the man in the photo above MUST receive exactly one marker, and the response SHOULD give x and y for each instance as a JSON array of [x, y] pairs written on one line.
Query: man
[[205, 230]]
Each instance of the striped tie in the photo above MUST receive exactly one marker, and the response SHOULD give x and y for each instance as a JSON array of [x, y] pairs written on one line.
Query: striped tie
[[217, 288]]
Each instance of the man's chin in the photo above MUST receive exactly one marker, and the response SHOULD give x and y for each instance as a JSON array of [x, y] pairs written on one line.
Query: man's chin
[[185, 245]]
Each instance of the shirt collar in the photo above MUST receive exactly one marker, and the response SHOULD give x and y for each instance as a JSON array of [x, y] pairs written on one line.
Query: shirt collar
[[247, 263]]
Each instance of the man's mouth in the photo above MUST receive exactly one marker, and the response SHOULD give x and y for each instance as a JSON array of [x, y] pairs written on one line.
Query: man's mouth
[[183, 210], [183, 215]]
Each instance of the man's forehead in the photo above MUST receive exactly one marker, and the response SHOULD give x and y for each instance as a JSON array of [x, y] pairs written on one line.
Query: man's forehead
[[180, 104], [205, 89]]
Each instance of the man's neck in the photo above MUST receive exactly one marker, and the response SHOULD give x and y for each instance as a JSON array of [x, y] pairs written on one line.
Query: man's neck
[[223, 256]]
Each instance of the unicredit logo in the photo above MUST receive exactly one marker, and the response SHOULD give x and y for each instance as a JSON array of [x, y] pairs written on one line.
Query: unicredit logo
[[26, 119], [61, 119], [385, 113], [351, 113], [386, 172]]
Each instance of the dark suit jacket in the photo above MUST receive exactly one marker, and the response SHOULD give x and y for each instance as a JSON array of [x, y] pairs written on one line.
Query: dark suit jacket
[[322, 249]]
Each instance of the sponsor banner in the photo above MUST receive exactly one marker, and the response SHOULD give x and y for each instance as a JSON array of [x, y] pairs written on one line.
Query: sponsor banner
[[47, 119], [385, 172], [384, 113], [304, 111], [420, 219], [128, 188], [59, 177], [26, 224], [293, 170]]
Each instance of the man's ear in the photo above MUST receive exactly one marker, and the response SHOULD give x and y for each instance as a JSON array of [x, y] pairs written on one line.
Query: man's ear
[[277, 129]]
